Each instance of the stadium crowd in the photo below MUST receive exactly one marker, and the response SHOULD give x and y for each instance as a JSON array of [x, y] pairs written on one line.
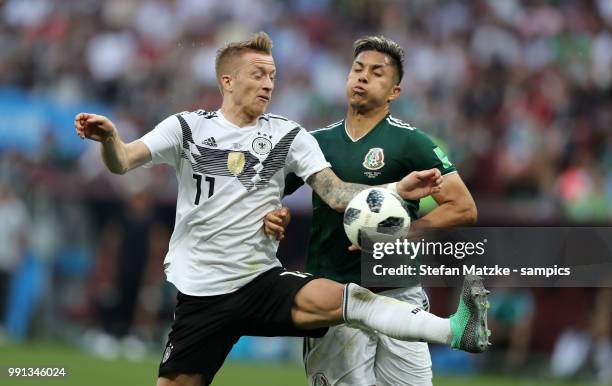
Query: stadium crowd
[[519, 92]]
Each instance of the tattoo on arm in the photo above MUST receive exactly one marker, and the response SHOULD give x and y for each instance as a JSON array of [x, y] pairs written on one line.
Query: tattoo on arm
[[335, 192]]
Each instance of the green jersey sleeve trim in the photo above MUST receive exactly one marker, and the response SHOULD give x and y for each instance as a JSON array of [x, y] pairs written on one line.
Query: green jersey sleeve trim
[[424, 153], [442, 157]]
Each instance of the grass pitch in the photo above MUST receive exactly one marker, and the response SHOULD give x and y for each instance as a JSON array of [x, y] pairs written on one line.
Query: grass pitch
[[83, 369]]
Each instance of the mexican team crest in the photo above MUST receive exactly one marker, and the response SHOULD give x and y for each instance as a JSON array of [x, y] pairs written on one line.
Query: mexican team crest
[[235, 162], [374, 159]]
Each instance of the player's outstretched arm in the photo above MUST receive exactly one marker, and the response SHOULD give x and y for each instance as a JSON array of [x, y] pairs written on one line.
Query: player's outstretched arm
[[337, 193], [455, 206], [118, 156]]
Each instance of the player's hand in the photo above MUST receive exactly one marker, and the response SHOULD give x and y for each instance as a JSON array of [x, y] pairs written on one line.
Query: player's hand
[[420, 184], [353, 248], [276, 221], [94, 127]]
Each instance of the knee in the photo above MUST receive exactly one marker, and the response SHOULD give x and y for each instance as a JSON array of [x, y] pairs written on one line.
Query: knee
[[319, 301]]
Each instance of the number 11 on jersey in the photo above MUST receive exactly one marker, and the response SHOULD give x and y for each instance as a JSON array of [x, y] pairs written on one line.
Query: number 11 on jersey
[[211, 186]]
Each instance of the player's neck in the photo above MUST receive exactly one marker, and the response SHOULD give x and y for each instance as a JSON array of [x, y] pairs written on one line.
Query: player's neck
[[360, 123], [237, 116]]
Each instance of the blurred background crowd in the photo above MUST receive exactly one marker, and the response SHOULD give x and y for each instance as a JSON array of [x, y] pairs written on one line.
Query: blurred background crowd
[[518, 92]]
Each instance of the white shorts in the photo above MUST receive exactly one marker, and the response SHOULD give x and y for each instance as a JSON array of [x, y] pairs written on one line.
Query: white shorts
[[352, 357]]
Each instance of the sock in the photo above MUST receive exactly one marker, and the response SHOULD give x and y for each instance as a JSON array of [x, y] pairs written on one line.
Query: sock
[[396, 319]]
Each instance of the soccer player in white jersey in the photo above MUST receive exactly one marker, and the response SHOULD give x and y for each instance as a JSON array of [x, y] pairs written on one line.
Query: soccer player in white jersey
[[230, 165]]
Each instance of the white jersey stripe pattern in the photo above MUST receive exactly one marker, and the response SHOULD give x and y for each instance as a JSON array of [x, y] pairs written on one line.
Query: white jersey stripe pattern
[[228, 179]]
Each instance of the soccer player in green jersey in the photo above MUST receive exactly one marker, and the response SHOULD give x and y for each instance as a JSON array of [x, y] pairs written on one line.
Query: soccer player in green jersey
[[372, 147]]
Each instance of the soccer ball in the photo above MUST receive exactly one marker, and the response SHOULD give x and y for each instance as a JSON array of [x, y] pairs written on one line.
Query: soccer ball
[[377, 212]]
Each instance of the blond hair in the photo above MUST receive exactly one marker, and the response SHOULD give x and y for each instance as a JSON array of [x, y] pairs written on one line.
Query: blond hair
[[259, 42]]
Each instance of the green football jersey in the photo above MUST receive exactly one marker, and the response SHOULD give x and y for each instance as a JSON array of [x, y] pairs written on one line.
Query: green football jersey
[[386, 154]]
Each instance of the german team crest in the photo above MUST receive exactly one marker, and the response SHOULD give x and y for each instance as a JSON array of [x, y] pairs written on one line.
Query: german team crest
[[261, 144], [374, 159], [235, 162]]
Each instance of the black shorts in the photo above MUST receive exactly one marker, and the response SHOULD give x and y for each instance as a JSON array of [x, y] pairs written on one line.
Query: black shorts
[[206, 327]]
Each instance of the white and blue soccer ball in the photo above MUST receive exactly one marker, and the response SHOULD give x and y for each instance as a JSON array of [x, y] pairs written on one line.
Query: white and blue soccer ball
[[378, 213]]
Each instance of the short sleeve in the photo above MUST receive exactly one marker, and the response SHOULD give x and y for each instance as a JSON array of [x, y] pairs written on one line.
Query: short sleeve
[[305, 156], [425, 154], [165, 141]]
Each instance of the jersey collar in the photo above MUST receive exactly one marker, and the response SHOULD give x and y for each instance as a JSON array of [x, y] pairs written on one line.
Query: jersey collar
[[232, 125], [348, 137]]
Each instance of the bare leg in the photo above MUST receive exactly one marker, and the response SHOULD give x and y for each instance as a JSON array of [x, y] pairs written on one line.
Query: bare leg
[[318, 304], [323, 302]]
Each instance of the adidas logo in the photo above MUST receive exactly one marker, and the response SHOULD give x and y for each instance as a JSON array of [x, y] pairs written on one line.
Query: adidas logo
[[210, 142]]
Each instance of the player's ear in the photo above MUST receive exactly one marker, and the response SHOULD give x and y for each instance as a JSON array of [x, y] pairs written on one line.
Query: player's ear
[[395, 92], [226, 83]]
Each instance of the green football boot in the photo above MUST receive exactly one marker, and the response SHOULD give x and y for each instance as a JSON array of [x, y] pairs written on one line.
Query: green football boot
[[469, 323]]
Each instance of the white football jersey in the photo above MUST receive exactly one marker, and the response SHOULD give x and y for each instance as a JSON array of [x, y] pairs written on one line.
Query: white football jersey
[[229, 177]]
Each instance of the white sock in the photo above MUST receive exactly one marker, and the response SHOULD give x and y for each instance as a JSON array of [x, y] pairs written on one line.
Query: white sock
[[396, 319]]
